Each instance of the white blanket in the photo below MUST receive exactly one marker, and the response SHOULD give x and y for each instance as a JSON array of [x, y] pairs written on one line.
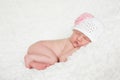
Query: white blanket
[[23, 22]]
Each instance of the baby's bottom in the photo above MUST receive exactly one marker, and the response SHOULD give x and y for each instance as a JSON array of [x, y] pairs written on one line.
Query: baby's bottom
[[38, 62]]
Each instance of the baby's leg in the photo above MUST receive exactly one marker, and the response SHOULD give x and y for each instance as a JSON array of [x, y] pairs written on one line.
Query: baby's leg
[[38, 65], [38, 61], [41, 54]]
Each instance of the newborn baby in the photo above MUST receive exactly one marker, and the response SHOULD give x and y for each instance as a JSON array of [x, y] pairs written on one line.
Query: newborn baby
[[45, 53]]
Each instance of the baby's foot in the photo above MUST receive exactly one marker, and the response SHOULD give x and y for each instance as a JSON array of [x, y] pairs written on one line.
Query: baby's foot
[[38, 65]]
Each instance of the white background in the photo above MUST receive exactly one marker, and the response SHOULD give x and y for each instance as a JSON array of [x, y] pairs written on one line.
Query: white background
[[23, 22]]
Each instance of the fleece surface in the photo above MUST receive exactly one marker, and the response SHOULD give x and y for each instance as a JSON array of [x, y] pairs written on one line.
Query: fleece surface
[[23, 22]]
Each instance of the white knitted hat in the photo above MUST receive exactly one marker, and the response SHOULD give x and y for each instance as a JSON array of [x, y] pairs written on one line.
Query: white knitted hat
[[89, 25]]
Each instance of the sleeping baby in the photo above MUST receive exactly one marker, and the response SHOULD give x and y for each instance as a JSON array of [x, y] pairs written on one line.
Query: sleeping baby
[[43, 54]]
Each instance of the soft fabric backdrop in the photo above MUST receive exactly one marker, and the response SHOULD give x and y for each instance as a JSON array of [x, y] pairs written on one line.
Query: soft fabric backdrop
[[23, 22]]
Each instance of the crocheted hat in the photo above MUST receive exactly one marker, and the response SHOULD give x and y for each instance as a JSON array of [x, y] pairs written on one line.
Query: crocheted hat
[[89, 25]]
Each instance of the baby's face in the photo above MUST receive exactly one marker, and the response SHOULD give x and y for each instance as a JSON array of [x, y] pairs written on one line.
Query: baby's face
[[78, 39]]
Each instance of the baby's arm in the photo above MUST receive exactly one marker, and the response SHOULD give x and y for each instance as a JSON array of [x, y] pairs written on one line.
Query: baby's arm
[[63, 57]]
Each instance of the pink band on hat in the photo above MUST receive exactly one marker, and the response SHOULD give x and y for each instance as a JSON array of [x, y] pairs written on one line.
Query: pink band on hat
[[83, 17]]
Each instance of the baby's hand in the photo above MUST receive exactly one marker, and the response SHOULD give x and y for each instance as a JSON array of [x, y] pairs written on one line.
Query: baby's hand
[[62, 59]]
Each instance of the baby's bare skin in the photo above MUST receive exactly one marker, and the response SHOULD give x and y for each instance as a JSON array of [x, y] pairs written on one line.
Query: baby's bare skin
[[45, 53]]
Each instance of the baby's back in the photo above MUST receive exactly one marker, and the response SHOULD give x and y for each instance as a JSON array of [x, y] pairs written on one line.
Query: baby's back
[[56, 46]]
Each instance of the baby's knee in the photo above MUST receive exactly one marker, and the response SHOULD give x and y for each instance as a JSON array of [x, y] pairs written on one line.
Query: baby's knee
[[27, 61]]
